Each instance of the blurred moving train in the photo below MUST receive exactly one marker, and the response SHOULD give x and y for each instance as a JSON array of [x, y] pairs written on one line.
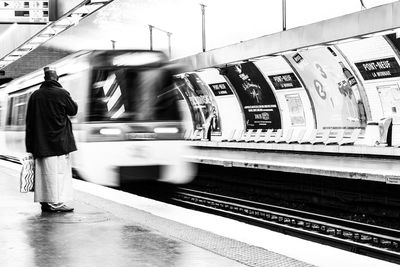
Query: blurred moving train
[[128, 125]]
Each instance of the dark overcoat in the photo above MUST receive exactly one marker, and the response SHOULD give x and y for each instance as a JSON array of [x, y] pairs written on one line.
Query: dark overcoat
[[48, 128]]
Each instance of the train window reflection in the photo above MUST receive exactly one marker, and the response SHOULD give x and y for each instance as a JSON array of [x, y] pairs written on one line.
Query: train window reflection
[[126, 94]]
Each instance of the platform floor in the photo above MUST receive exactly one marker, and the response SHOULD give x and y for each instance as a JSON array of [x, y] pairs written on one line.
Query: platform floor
[[101, 233], [113, 228]]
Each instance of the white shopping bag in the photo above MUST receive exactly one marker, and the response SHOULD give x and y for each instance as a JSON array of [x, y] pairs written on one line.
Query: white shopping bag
[[27, 176]]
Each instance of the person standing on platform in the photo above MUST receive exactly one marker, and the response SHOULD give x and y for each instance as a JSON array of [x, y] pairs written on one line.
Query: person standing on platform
[[49, 138]]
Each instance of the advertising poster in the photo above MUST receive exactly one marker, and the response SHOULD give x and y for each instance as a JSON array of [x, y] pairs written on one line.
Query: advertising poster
[[259, 103], [209, 105], [331, 85], [296, 110], [204, 99], [188, 93], [389, 96]]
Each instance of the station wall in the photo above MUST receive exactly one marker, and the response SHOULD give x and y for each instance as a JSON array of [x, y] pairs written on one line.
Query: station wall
[[294, 103], [338, 86], [377, 64]]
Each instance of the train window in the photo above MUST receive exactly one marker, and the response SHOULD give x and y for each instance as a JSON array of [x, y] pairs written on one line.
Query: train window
[[17, 109], [9, 111], [127, 94]]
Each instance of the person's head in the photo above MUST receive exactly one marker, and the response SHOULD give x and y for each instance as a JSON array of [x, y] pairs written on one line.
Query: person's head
[[50, 74]]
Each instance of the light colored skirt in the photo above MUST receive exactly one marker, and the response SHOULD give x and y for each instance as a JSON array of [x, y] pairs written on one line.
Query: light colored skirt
[[53, 179]]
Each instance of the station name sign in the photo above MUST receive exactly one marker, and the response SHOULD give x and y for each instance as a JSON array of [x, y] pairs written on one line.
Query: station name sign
[[379, 69], [26, 11], [220, 89], [284, 81]]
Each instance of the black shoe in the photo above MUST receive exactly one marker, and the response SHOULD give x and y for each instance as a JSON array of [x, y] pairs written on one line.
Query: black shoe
[[62, 208], [45, 206]]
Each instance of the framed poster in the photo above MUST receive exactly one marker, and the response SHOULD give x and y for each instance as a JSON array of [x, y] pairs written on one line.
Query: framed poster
[[256, 96], [296, 110], [389, 96]]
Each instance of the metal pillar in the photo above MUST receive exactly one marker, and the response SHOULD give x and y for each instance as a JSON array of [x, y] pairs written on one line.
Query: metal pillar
[[284, 15], [203, 25]]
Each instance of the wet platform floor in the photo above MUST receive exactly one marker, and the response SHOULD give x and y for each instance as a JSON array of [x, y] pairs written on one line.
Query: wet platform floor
[[104, 233]]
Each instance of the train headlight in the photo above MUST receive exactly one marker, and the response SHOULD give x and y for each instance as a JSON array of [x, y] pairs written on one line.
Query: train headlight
[[110, 131], [170, 130]]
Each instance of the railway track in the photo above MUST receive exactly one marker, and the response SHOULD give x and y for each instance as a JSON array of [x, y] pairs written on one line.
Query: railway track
[[369, 240]]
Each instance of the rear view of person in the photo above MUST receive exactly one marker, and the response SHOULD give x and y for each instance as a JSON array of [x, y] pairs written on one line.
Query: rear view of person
[[50, 139]]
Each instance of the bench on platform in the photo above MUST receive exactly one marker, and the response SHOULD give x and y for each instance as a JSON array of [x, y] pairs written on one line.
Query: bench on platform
[[275, 136], [308, 136], [265, 136], [285, 137], [255, 137], [350, 137], [297, 136], [371, 135], [246, 136], [238, 135], [334, 137], [290, 136], [321, 135], [230, 137]]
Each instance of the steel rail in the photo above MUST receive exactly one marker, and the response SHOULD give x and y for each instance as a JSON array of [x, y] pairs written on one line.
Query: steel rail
[[370, 240]]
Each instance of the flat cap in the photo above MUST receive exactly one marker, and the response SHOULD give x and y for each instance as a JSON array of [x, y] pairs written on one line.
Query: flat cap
[[49, 69]]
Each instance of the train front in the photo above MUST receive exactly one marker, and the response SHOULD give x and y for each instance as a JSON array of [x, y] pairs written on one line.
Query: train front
[[133, 129]]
